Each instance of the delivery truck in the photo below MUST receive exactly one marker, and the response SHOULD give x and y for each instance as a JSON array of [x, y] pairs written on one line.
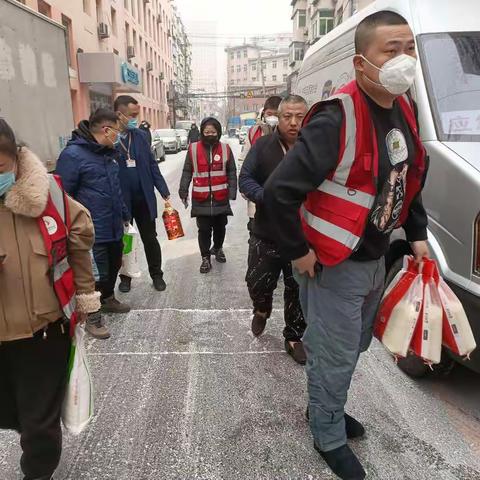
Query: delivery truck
[[447, 92], [34, 80]]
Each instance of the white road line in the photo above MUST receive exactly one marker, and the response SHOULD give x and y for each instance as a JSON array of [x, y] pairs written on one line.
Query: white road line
[[199, 310], [186, 353]]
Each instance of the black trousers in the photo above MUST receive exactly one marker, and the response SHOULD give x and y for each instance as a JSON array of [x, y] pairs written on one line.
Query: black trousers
[[264, 267], [208, 225], [108, 258], [148, 233], [33, 374]]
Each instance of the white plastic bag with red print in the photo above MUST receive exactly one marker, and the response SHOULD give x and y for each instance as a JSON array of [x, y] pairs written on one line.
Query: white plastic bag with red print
[[457, 333], [427, 339], [399, 310]]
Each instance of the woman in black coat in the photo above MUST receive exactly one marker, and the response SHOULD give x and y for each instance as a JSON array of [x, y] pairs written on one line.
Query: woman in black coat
[[210, 211]]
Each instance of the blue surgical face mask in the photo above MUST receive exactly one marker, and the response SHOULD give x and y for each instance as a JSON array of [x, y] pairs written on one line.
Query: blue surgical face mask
[[132, 123], [7, 180]]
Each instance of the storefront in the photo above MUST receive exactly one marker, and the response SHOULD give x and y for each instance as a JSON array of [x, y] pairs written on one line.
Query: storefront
[[107, 75]]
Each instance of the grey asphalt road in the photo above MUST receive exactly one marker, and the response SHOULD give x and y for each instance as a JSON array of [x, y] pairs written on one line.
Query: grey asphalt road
[[184, 391]]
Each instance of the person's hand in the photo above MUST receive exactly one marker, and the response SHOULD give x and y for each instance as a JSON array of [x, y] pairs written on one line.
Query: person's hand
[[306, 264], [420, 250], [81, 318], [185, 202], [167, 199]]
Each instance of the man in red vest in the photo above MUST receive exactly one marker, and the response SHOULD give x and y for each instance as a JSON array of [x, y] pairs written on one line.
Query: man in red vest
[[355, 174]]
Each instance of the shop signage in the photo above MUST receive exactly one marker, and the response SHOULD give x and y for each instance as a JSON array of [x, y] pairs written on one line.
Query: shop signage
[[129, 75]]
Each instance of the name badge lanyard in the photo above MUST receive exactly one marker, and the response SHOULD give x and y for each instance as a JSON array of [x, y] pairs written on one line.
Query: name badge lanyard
[[127, 150]]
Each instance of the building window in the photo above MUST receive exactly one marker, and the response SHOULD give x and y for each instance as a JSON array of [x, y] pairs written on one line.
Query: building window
[[44, 8], [245, 68], [285, 76], [326, 22], [254, 79], [285, 63], [298, 55], [238, 54], [233, 69], [302, 18], [113, 13], [245, 54], [239, 68], [274, 78], [67, 23], [274, 64], [232, 56], [86, 6], [254, 67]]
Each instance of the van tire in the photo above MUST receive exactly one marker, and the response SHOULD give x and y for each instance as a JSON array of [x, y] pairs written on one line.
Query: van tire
[[415, 367]]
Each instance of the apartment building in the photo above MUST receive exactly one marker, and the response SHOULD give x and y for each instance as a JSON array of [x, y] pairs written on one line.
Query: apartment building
[[115, 47], [255, 71], [312, 19]]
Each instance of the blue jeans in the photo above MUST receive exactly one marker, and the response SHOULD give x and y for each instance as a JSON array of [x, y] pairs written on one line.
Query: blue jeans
[[339, 305]]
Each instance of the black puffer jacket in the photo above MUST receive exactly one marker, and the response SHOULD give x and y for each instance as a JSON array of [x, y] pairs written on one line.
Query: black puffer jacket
[[209, 207]]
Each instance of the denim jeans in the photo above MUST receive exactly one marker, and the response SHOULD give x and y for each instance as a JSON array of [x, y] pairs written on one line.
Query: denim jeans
[[339, 305]]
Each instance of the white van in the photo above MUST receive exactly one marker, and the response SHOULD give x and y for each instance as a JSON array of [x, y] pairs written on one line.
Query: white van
[[447, 91]]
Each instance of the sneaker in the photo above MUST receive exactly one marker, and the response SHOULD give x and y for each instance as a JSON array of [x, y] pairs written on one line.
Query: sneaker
[[125, 284], [112, 305], [259, 322], [343, 463], [219, 255], [95, 326], [159, 284], [206, 265], [296, 351], [353, 428]]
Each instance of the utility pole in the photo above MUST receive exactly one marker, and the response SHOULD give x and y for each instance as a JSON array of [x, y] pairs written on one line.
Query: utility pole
[[261, 72]]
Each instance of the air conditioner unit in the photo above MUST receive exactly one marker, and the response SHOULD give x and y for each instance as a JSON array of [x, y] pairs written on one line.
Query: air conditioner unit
[[149, 66], [162, 76], [130, 51], [103, 30]]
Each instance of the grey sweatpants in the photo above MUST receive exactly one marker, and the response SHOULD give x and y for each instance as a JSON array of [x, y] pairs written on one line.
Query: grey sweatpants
[[339, 306]]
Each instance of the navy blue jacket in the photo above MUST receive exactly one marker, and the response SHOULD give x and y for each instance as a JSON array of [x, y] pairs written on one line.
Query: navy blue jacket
[[145, 177], [89, 173]]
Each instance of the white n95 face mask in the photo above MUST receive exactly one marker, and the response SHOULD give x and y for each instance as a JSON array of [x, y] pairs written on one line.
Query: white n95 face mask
[[272, 121], [397, 75]]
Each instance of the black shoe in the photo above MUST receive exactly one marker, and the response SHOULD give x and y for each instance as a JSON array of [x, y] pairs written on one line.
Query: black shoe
[[125, 284], [259, 322], [343, 463], [219, 255], [46, 477], [159, 284], [353, 428], [206, 265], [296, 352]]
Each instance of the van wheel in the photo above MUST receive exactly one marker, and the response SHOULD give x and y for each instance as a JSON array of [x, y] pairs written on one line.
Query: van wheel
[[415, 367]]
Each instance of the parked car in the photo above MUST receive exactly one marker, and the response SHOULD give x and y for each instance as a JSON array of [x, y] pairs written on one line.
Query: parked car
[[184, 124], [170, 139], [448, 102], [243, 134], [183, 138], [158, 149]]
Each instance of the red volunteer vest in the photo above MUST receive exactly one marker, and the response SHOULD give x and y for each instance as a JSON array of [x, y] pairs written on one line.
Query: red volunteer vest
[[254, 134], [209, 175], [334, 217], [54, 224]]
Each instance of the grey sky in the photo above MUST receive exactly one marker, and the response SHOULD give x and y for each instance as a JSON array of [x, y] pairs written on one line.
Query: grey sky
[[237, 20], [240, 17]]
